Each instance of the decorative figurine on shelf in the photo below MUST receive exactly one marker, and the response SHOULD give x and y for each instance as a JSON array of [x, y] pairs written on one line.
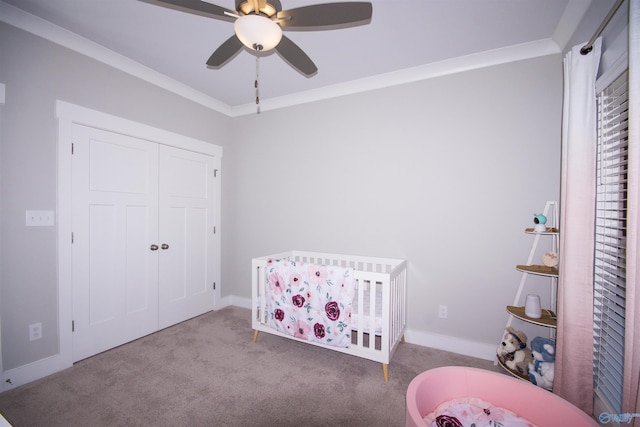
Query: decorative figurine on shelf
[[550, 259], [540, 221]]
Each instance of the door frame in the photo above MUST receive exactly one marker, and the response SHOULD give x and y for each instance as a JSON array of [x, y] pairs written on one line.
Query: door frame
[[2, 101], [69, 115]]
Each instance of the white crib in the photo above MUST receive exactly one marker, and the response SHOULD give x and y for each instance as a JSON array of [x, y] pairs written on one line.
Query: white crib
[[384, 314]]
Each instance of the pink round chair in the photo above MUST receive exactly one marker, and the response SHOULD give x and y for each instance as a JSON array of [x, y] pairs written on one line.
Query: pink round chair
[[435, 386]]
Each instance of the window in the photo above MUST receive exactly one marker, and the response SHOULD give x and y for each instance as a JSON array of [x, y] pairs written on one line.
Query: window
[[610, 243]]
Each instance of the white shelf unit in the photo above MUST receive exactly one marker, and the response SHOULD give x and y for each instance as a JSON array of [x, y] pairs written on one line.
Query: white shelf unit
[[516, 310]]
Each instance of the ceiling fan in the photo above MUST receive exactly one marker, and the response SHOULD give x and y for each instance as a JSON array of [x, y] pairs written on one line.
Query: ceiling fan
[[258, 25]]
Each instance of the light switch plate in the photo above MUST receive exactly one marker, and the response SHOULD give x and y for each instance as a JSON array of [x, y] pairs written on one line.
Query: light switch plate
[[39, 218]]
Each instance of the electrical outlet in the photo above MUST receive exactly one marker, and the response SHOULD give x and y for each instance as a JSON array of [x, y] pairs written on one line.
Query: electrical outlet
[[35, 331], [442, 311]]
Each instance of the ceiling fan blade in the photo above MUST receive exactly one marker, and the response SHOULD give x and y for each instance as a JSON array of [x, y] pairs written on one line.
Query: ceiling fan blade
[[326, 16], [225, 52], [291, 53], [199, 7]]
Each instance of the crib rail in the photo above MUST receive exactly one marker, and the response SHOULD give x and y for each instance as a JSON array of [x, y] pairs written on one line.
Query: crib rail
[[386, 276]]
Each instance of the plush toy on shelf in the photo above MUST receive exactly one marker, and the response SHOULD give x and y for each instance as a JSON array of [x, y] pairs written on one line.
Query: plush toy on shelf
[[513, 351], [541, 370], [540, 222]]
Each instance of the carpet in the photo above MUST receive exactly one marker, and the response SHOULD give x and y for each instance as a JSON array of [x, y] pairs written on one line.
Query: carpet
[[208, 372]]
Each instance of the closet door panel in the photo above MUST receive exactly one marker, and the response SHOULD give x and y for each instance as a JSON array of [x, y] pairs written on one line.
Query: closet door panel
[[106, 285], [196, 259], [141, 286], [115, 222], [186, 230]]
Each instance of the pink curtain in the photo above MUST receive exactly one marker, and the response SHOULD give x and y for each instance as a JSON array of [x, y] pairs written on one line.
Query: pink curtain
[[574, 345], [630, 398]]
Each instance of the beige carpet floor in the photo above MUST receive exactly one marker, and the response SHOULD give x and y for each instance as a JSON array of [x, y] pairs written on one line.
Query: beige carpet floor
[[208, 372]]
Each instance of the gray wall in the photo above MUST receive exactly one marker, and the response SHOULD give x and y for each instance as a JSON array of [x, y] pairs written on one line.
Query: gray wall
[[37, 73], [446, 173]]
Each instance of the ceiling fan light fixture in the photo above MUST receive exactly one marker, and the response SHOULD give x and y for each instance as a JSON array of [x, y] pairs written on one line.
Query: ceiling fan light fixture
[[257, 32]]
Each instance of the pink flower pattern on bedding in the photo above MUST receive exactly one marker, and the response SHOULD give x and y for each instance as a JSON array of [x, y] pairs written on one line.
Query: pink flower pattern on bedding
[[473, 412], [309, 301]]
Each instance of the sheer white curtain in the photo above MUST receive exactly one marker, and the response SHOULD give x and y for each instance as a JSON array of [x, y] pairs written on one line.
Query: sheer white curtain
[[630, 398], [574, 345]]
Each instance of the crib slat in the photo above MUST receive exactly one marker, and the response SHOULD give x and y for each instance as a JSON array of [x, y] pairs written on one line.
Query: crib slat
[[373, 290], [360, 326]]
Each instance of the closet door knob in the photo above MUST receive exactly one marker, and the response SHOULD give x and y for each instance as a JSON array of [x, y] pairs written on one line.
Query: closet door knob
[[154, 247], [164, 246]]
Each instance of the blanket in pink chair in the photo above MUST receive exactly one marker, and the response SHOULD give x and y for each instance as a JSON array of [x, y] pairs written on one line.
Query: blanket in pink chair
[[470, 411], [310, 301]]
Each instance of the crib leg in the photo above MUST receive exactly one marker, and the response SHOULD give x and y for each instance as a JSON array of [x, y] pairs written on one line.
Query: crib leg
[[255, 335], [385, 372]]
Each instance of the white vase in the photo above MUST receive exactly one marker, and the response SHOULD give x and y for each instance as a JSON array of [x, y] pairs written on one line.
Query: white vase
[[532, 307]]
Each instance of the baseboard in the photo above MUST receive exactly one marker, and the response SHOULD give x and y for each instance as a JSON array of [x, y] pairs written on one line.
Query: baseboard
[[21, 375], [235, 301], [424, 339], [452, 344]]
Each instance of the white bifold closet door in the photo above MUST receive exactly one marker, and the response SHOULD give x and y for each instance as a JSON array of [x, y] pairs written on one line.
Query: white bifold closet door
[[186, 235], [141, 251]]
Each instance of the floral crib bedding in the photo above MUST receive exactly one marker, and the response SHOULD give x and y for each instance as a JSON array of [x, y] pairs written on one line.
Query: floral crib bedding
[[310, 301]]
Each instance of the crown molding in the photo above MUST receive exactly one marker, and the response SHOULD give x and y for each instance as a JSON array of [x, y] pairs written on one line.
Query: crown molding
[[428, 71], [45, 29], [38, 26]]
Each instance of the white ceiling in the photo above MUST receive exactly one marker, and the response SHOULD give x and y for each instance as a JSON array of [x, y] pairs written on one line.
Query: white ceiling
[[404, 37]]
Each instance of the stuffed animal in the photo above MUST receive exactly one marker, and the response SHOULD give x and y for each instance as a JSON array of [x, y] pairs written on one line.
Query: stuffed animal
[[513, 351], [541, 370]]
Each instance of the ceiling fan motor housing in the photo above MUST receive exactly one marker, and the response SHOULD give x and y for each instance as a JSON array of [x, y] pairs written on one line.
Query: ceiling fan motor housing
[[249, 7]]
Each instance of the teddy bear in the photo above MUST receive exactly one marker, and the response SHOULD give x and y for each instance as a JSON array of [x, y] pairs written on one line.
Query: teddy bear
[[513, 351], [541, 370]]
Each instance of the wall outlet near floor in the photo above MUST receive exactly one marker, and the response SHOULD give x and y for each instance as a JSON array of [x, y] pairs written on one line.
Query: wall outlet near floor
[[442, 311], [35, 331]]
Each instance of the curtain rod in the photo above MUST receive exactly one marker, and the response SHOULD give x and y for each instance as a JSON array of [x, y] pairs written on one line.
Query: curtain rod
[[589, 46]]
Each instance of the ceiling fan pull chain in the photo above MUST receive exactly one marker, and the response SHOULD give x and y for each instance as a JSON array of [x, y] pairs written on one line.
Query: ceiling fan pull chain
[[256, 85]]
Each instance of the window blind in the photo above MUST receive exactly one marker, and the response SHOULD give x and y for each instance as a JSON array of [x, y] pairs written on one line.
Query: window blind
[[610, 243]]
